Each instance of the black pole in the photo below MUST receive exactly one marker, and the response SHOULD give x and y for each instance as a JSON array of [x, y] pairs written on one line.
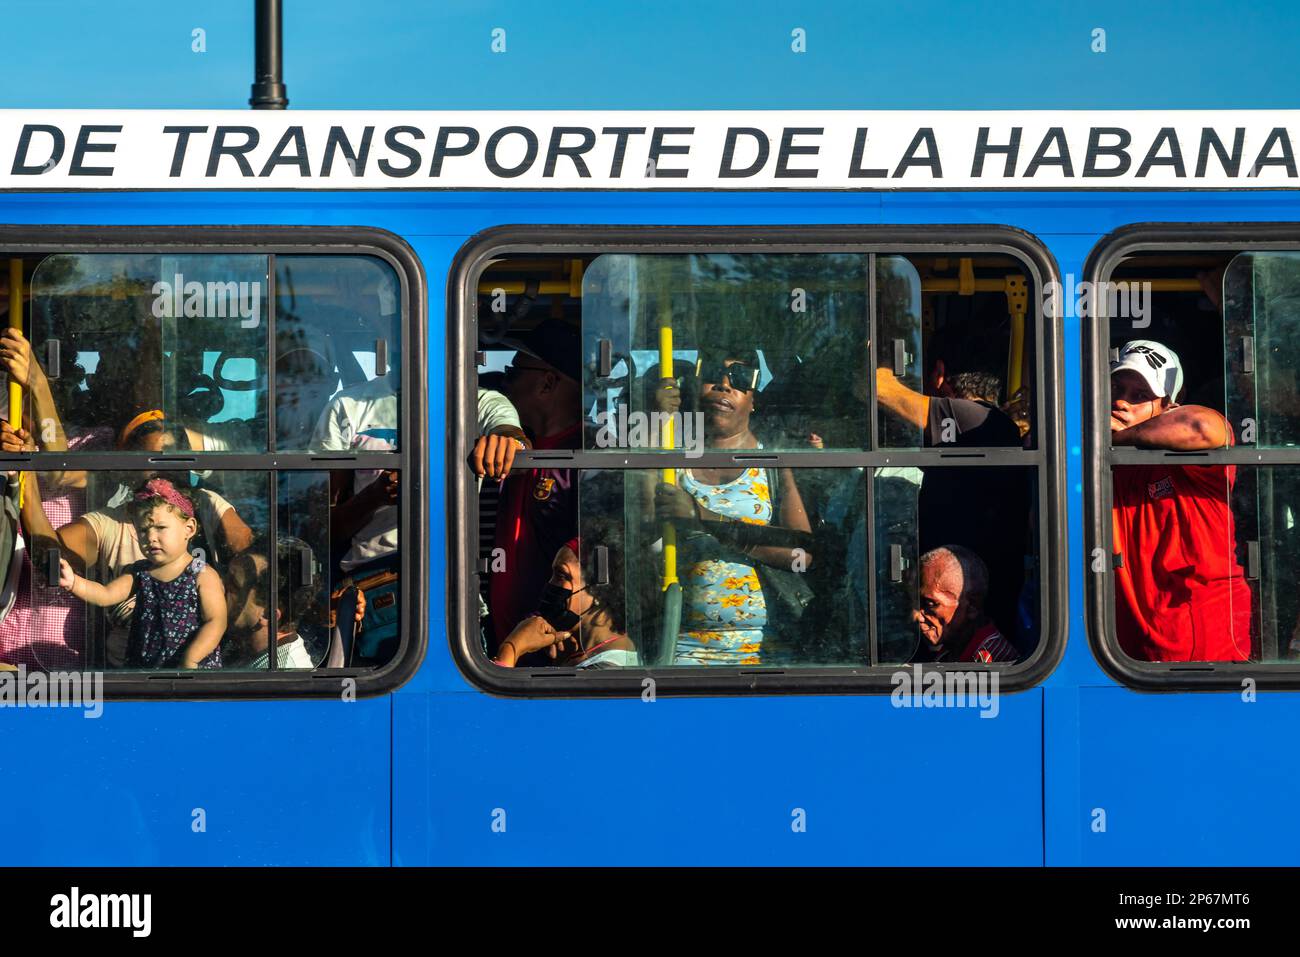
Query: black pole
[[268, 86]]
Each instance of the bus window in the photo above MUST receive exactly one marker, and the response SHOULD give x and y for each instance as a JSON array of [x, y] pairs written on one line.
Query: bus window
[[144, 342], [1203, 414], [742, 510], [337, 332], [245, 567]]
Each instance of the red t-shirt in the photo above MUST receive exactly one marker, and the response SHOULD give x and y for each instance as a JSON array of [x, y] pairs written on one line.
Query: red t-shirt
[[987, 645], [1180, 594], [538, 512]]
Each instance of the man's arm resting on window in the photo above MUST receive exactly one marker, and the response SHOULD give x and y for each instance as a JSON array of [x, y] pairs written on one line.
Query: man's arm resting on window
[[1187, 428]]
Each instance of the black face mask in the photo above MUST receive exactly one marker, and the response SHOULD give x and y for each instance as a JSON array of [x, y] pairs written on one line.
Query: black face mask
[[554, 607]]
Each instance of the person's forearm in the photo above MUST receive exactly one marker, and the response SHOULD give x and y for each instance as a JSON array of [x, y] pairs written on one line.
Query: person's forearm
[[203, 644], [1187, 429], [506, 655], [93, 593], [900, 401], [35, 522], [45, 416], [47, 426]]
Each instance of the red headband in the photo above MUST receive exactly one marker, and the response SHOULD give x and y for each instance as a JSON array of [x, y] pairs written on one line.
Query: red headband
[[165, 490]]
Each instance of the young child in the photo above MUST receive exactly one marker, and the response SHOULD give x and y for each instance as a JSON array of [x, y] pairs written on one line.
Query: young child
[[180, 604]]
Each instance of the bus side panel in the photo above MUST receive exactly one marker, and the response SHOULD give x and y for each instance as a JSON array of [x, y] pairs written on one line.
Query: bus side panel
[[741, 781], [197, 783], [1188, 779]]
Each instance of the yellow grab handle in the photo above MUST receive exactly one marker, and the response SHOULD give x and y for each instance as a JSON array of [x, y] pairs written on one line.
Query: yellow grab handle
[[667, 440], [15, 322]]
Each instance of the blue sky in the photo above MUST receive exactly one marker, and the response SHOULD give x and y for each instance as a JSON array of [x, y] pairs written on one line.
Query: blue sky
[[668, 54]]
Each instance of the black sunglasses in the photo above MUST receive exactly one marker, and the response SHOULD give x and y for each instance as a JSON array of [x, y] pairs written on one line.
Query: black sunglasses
[[740, 375]]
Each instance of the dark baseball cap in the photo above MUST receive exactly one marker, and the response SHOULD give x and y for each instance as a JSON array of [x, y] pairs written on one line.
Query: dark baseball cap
[[556, 343]]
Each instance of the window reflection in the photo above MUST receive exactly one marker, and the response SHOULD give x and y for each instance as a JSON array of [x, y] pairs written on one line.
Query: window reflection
[[180, 339]]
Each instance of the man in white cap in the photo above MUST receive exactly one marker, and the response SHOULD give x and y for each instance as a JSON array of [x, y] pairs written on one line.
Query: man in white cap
[[1180, 594]]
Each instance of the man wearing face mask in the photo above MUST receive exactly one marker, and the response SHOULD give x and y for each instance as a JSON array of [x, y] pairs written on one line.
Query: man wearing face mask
[[579, 622]]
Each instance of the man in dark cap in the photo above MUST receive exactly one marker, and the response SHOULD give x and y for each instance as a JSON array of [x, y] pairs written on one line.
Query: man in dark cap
[[538, 509]]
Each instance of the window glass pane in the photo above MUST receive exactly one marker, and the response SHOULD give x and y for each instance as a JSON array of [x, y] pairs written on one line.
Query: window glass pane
[[363, 555], [304, 572], [154, 352], [1261, 310], [143, 546], [898, 298], [43, 627], [956, 352], [791, 328], [957, 565], [1267, 506], [897, 492], [336, 536], [761, 580], [1182, 531], [338, 352]]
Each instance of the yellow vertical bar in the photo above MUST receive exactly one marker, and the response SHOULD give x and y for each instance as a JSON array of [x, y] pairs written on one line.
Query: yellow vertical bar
[[1018, 306], [1017, 353], [15, 322], [668, 439]]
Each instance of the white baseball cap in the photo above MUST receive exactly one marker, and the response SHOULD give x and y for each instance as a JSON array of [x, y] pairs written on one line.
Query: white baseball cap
[[1154, 362]]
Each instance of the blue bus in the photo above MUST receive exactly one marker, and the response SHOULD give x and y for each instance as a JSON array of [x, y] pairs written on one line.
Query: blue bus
[[737, 414]]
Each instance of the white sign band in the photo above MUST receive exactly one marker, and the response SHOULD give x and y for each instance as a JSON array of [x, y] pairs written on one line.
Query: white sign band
[[144, 149]]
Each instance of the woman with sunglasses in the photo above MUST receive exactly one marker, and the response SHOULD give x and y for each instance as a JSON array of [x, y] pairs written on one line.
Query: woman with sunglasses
[[720, 514]]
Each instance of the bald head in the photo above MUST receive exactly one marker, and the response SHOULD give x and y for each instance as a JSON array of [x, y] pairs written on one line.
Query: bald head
[[958, 571], [953, 584]]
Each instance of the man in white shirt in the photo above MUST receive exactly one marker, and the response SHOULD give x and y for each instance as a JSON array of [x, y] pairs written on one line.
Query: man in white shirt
[[363, 512]]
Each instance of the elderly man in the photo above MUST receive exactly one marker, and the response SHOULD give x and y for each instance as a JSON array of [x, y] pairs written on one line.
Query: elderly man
[[954, 583], [985, 509], [1180, 594]]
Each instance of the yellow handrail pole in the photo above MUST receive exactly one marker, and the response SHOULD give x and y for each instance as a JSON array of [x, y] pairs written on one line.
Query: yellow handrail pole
[[16, 322], [1018, 305], [668, 439]]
